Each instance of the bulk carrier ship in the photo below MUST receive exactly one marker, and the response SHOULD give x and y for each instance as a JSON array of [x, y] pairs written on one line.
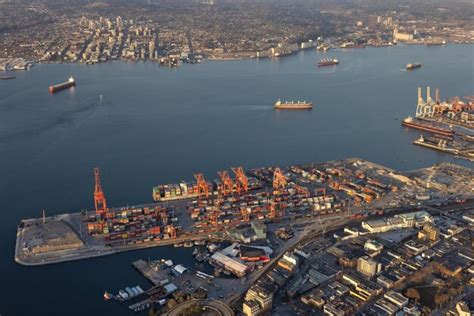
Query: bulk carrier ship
[[328, 62], [410, 122], [299, 105], [64, 85]]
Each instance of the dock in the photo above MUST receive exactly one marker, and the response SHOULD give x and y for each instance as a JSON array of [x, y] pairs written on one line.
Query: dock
[[147, 271]]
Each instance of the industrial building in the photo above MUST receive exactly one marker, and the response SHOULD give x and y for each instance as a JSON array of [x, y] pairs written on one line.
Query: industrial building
[[396, 298], [236, 267], [373, 246], [401, 221]]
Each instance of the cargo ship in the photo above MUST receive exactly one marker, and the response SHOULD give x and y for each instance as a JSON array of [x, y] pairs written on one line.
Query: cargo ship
[[410, 122], [189, 190], [328, 62], [413, 66], [299, 105], [64, 85]]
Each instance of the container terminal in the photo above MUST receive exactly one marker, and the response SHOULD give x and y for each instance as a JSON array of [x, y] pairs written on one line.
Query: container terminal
[[231, 210], [450, 124], [280, 256]]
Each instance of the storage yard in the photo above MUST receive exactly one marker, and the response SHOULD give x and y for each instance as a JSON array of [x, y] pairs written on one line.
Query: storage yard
[[227, 209]]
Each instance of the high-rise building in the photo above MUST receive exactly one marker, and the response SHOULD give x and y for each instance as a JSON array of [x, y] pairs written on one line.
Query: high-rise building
[[119, 23], [251, 308], [368, 267], [261, 296]]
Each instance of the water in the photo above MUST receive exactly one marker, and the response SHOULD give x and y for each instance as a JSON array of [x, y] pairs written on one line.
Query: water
[[144, 125]]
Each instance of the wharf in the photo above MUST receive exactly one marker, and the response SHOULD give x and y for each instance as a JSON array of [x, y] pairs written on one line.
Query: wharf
[[464, 150], [142, 305], [443, 149], [39, 240], [144, 268]]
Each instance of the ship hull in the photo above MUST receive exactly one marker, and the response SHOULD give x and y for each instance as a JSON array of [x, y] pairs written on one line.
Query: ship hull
[[293, 107], [326, 64], [411, 67], [61, 86], [431, 129]]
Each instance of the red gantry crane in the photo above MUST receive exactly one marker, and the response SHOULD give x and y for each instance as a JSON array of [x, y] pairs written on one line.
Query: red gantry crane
[[99, 196], [245, 214], [279, 179], [227, 185], [172, 231], [241, 180], [215, 212], [272, 213], [203, 189]]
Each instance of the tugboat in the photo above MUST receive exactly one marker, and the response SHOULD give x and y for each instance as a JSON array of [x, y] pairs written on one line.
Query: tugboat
[[413, 66], [299, 105], [107, 296]]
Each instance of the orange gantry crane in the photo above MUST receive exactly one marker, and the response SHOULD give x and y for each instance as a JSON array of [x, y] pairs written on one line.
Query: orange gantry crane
[[214, 216], [302, 190], [227, 185], [320, 190], [172, 231], [203, 189], [245, 214], [215, 212], [279, 179], [164, 217], [272, 213], [99, 196], [241, 180]]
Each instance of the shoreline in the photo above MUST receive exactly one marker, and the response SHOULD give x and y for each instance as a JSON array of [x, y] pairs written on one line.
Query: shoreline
[[226, 58]]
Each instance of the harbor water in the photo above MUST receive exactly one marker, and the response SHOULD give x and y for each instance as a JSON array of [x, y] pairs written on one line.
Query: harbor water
[[145, 125]]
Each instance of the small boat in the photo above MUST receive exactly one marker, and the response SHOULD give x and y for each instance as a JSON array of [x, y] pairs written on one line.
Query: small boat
[[177, 245], [188, 244], [413, 66], [7, 77], [107, 296]]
